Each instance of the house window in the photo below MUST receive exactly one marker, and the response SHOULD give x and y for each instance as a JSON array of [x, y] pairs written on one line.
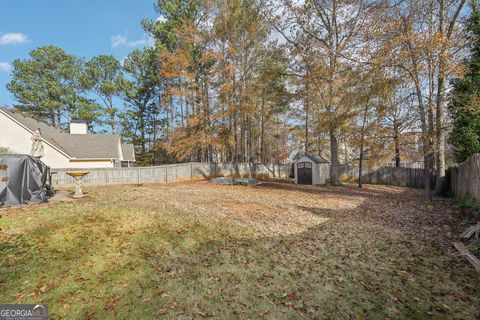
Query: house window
[[126, 164]]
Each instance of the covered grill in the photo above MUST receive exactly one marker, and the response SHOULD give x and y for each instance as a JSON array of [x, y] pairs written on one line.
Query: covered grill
[[23, 180]]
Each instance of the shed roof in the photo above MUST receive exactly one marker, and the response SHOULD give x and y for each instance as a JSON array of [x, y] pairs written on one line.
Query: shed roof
[[316, 159]]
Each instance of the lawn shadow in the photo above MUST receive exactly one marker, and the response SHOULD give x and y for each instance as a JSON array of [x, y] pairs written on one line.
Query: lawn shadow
[[320, 212], [357, 263], [327, 190]]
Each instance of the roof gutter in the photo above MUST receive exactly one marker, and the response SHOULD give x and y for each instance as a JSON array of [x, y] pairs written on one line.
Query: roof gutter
[[92, 159]]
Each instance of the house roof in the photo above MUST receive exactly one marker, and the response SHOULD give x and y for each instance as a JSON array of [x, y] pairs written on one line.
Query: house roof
[[316, 159], [80, 146], [363, 158]]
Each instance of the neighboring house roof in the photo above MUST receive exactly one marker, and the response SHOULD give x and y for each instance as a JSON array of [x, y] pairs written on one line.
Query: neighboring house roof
[[364, 158], [406, 158], [316, 159], [79, 146], [295, 155]]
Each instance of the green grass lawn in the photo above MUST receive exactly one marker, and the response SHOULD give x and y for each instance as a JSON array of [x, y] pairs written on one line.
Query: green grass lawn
[[274, 251]]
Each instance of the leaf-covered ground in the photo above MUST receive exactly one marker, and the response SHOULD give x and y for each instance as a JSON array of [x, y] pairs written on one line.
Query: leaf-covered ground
[[273, 251]]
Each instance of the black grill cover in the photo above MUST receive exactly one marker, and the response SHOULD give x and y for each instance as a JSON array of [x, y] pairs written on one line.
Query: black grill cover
[[23, 180]]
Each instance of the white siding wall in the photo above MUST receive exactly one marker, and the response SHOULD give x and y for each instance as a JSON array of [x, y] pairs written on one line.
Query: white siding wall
[[87, 164], [17, 138], [323, 173]]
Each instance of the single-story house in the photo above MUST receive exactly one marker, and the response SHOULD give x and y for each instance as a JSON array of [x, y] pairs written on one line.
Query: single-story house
[[311, 170], [77, 149]]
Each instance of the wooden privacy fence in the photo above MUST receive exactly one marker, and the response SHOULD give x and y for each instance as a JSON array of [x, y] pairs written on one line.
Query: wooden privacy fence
[[465, 180], [172, 172], [403, 177]]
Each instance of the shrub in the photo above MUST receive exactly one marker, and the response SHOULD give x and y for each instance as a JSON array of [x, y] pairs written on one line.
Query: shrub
[[5, 150], [470, 204]]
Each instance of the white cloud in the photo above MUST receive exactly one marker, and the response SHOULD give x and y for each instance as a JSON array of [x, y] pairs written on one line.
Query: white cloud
[[5, 66], [122, 40], [136, 43], [13, 38], [118, 40]]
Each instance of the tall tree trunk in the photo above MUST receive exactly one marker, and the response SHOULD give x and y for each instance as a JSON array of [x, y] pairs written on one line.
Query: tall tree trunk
[[334, 166], [59, 119], [307, 107], [235, 137], [182, 99], [112, 122], [206, 106], [440, 139], [111, 110], [360, 166], [396, 141], [262, 132], [440, 132], [142, 126], [427, 150], [362, 142], [426, 144], [431, 126], [52, 118]]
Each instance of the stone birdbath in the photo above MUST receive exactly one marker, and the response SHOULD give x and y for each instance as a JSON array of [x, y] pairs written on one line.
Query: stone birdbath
[[78, 176]]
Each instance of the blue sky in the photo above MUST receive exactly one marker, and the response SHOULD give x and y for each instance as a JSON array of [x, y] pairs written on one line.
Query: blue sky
[[84, 28]]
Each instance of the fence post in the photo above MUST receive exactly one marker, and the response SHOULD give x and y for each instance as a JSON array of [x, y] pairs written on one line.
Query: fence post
[[191, 170]]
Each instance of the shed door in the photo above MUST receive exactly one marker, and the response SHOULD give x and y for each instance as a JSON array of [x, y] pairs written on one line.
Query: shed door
[[304, 171]]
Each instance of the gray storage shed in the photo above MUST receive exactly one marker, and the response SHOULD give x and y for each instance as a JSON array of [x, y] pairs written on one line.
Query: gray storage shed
[[311, 170]]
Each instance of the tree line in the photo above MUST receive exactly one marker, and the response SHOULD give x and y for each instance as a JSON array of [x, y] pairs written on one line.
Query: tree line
[[253, 80], [54, 87]]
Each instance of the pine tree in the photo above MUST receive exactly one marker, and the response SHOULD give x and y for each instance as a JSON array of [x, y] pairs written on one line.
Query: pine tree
[[465, 105]]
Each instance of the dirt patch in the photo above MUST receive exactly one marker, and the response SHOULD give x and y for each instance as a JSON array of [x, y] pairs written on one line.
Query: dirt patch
[[61, 196]]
